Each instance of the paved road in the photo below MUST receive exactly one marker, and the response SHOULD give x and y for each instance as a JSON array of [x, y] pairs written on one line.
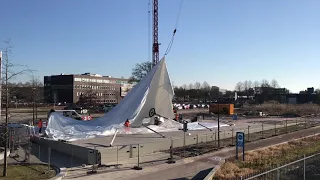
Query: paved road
[[187, 168]]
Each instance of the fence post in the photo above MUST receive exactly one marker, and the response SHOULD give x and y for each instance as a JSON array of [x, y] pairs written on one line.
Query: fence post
[[171, 161], [138, 165], [49, 158], [215, 138], [232, 138], [248, 133], [262, 131], [296, 124], [197, 138], [286, 126], [275, 128], [278, 173], [304, 167], [117, 156]]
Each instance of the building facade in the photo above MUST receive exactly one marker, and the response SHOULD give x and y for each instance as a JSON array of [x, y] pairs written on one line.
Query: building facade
[[68, 88]]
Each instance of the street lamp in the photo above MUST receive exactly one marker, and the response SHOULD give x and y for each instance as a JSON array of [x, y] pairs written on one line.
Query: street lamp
[[218, 123]]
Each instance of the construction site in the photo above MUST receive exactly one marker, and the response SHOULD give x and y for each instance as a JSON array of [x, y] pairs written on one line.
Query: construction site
[[146, 136]]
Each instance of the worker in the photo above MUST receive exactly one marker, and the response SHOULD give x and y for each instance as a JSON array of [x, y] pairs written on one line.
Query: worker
[[40, 125], [126, 125]]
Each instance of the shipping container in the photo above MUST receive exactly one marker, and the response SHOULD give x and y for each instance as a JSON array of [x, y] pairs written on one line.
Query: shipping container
[[222, 108]]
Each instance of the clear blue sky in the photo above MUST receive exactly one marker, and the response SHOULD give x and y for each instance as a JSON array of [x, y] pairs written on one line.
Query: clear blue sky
[[221, 42]]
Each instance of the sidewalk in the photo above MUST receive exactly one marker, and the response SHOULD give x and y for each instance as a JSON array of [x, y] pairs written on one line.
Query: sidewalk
[[186, 168]]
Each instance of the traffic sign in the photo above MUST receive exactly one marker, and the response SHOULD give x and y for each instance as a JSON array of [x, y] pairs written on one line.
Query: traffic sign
[[240, 143]]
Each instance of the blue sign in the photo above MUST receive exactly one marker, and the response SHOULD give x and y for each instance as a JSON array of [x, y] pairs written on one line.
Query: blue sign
[[240, 143], [240, 139]]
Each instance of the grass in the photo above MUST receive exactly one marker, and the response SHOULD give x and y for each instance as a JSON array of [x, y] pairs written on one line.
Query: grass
[[267, 158], [274, 108], [30, 172]]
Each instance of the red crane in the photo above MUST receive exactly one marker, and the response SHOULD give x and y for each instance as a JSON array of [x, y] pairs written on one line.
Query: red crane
[[155, 46]]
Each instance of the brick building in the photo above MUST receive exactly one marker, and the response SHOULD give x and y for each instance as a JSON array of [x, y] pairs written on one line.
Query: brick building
[[69, 87]]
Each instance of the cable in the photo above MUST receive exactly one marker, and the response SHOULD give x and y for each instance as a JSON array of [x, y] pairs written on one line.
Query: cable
[[175, 29]]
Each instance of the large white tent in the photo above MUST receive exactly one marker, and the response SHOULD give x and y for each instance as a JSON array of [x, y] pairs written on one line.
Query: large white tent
[[152, 95]]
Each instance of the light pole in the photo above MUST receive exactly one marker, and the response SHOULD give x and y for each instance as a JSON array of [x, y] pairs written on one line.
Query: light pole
[[33, 107], [218, 123]]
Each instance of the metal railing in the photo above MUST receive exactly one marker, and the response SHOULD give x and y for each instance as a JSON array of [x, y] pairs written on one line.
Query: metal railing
[[302, 169]]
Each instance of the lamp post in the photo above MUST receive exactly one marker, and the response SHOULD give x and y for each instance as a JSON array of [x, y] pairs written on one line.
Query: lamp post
[[33, 107], [218, 123]]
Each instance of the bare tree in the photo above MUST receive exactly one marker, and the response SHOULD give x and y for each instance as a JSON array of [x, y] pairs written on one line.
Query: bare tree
[[7, 69], [239, 87], [265, 83], [256, 84], [206, 90], [190, 86], [197, 85], [246, 85], [274, 83], [140, 70]]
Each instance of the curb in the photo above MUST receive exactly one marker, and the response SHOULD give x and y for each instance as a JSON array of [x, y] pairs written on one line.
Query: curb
[[213, 171]]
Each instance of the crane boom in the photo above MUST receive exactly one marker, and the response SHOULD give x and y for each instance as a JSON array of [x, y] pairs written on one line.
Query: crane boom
[[155, 46]]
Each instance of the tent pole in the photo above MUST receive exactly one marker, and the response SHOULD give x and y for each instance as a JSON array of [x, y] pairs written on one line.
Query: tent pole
[[153, 131]]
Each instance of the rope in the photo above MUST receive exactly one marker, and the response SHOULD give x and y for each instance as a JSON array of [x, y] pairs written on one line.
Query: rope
[[175, 29]]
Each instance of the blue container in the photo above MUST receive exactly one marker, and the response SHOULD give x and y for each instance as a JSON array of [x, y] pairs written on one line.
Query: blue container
[[235, 117]]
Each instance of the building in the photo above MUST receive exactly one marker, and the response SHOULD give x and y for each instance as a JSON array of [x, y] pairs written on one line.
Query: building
[[68, 88]]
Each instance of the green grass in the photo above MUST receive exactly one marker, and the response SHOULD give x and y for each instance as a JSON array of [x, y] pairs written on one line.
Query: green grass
[[30, 172]]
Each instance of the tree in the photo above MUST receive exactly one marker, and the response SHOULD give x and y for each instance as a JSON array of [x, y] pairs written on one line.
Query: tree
[[9, 74], [274, 83], [265, 83], [190, 86], [206, 90], [197, 87], [256, 84], [239, 87], [140, 70]]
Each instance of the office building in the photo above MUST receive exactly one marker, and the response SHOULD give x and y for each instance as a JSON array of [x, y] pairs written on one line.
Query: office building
[[68, 88]]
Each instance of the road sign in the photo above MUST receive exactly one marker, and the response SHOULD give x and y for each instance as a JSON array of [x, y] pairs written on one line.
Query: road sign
[[240, 143], [240, 139]]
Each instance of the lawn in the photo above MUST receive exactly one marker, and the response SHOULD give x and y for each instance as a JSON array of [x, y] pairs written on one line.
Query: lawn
[[30, 172], [267, 158]]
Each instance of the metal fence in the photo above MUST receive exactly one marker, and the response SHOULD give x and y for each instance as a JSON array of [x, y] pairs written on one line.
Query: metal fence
[[159, 150], [306, 168]]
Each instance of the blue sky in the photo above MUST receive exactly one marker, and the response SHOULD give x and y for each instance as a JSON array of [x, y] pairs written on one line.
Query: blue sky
[[221, 42]]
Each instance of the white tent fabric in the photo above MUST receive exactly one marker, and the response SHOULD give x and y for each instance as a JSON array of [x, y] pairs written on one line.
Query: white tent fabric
[[153, 91]]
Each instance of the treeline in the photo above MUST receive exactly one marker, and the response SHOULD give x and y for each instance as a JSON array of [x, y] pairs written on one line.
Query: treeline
[[246, 85], [200, 92], [27, 92]]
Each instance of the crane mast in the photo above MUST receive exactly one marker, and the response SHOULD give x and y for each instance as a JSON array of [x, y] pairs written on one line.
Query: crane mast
[[155, 46]]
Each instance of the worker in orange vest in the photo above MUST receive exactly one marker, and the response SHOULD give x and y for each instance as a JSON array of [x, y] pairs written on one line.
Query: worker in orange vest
[[127, 124], [40, 125]]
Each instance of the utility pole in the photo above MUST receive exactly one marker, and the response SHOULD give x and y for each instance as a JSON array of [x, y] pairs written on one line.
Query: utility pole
[[0, 84], [218, 123], [6, 123], [155, 46]]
